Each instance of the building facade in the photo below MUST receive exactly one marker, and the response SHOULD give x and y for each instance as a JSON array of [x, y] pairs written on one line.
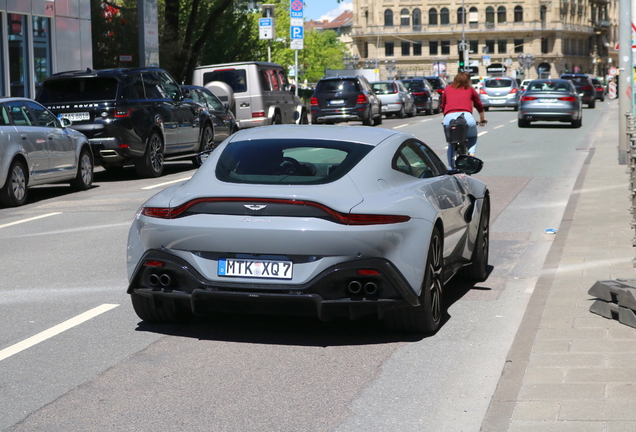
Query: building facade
[[41, 37], [524, 39]]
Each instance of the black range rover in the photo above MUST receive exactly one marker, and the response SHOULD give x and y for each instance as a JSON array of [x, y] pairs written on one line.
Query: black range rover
[[137, 116]]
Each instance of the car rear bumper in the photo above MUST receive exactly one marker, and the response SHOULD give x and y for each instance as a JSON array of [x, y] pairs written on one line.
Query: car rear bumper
[[338, 115], [326, 296], [548, 116], [501, 102]]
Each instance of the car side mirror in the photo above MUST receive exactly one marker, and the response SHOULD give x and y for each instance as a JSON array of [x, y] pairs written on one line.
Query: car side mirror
[[66, 122], [465, 164], [186, 93], [226, 106]]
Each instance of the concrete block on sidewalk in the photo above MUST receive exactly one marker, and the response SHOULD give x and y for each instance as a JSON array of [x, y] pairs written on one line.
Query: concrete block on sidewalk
[[614, 311], [620, 291]]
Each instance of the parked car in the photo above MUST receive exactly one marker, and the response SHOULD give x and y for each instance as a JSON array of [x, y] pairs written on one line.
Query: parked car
[[599, 89], [343, 99], [438, 83], [258, 93], [524, 84], [500, 92], [584, 86], [223, 121], [425, 97], [550, 100], [38, 148], [292, 220], [395, 98], [131, 116]]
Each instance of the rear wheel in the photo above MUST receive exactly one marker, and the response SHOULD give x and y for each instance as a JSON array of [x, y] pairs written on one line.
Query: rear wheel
[[577, 123], [523, 123], [207, 143], [402, 112], [151, 164], [277, 119], [84, 178], [368, 119], [426, 317], [14, 191], [592, 104], [160, 311], [413, 111], [478, 269], [486, 108], [377, 120], [303, 118]]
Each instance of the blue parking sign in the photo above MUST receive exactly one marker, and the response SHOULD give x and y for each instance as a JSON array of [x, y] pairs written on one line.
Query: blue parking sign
[[297, 32]]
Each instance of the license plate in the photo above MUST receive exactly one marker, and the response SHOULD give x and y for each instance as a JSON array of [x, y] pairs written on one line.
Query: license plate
[[547, 101], [255, 268], [497, 101], [76, 116], [384, 107], [337, 102]]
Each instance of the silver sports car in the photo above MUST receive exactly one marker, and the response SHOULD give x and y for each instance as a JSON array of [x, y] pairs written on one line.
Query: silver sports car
[[326, 221]]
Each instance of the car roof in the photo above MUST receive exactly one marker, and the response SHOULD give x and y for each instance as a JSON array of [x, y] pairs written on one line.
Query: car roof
[[16, 98], [356, 134], [224, 65], [340, 77], [89, 73]]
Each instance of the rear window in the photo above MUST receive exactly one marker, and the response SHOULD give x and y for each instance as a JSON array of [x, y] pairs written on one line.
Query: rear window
[[91, 89], [414, 85], [235, 78], [337, 86], [306, 162], [384, 88], [498, 83]]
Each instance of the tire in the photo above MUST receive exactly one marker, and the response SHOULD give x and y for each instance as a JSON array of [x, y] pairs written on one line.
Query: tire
[[592, 104], [151, 164], [478, 269], [368, 120], [577, 123], [427, 316], [413, 112], [377, 120], [402, 112], [486, 108], [516, 108], [438, 109], [207, 143], [84, 178], [160, 311], [277, 119], [14, 191], [522, 123], [430, 110], [303, 118]]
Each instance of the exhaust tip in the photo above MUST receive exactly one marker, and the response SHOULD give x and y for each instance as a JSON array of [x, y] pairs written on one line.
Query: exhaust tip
[[165, 279], [153, 279], [355, 287], [370, 288]]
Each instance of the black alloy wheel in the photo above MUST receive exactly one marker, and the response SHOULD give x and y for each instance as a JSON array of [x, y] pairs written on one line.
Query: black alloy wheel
[[478, 269], [151, 164], [207, 143]]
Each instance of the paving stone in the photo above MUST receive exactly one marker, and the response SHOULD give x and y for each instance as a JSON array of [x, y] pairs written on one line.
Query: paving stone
[[556, 426], [544, 375], [558, 392], [541, 410], [566, 359], [622, 391], [600, 374], [595, 410]]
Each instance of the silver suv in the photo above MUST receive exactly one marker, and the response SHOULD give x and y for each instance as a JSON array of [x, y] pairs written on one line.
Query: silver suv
[[258, 93]]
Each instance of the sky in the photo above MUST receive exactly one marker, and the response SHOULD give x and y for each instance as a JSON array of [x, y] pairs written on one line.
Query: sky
[[325, 9]]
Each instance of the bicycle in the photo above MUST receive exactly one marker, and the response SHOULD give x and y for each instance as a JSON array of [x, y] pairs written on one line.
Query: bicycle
[[456, 132]]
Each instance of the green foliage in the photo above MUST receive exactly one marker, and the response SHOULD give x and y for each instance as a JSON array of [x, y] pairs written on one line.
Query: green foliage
[[110, 36]]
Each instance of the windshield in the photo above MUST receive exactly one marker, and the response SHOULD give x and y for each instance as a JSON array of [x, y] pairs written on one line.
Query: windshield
[[288, 161], [78, 90]]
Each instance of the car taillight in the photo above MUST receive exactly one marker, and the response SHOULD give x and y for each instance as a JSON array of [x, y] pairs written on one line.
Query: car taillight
[[362, 99], [514, 90], [368, 272], [154, 263], [568, 98], [528, 98], [440, 91], [420, 93], [588, 87], [599, 88], [258, 113], [123, 112], [314, 101], [482, 91], [335, 216]]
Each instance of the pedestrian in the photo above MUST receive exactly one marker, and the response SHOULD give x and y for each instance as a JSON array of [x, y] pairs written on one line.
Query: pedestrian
[[460, 97]]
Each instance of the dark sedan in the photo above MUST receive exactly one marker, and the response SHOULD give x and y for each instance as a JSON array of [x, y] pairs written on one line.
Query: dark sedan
[[223, 121], [584, 87], [550, 100], [426, 98]]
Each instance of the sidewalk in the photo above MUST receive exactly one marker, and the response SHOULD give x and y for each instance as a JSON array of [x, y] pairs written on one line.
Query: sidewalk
[[569, 369]]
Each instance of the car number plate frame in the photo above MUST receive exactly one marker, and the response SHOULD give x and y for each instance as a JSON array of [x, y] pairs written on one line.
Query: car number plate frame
[[337, 102], [254, 268], [78, 116], [547, 101]]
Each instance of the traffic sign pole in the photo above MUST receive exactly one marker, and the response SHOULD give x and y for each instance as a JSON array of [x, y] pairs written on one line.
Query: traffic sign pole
[[296, 32]]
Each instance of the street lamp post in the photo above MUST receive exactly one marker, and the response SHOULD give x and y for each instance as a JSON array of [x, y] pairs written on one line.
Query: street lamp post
[[526, 61], [390, 67]]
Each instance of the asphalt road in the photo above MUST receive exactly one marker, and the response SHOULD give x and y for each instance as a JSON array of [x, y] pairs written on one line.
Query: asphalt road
[[75, 357]]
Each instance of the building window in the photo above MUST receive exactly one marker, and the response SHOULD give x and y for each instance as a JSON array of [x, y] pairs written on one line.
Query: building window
[[41, 48], [473, 46], [501, 46], [365, 50], [18, 55], [473, 16], [544, 46], [501, 15], [388, 49], [461, 16], [490, 15], [417, 48], [432, 16], [543, 11], [388, 18], [417, 18], [518, 14], [406, 49], [519, 46], [433, 48], [445, 47], [490, 46], [405, 18], [444, 16]]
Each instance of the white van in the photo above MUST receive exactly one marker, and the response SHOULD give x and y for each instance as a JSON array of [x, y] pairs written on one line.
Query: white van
[[258, 93]]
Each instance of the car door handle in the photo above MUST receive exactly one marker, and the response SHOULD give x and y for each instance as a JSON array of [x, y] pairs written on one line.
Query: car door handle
[[23, 136], [245, 104], [50, 137]]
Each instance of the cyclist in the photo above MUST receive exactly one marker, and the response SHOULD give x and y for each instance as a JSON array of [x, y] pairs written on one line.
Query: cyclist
[[460, 97]]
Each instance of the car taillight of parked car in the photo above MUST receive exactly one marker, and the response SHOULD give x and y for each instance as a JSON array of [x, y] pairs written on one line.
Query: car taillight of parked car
[[567, 98], [587, 87], [362, 99], [482, 91], [420, 93], [513, 91], [258, 113], [123, 112], [314, 101], [528, 98]]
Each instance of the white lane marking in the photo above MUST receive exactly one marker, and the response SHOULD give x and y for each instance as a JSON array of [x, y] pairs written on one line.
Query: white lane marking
[[70, 230], [54, 331], [512, 121], [425, 120], [482, 133], [29, 219], [498, 127], [400, 126], [166, 183]]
